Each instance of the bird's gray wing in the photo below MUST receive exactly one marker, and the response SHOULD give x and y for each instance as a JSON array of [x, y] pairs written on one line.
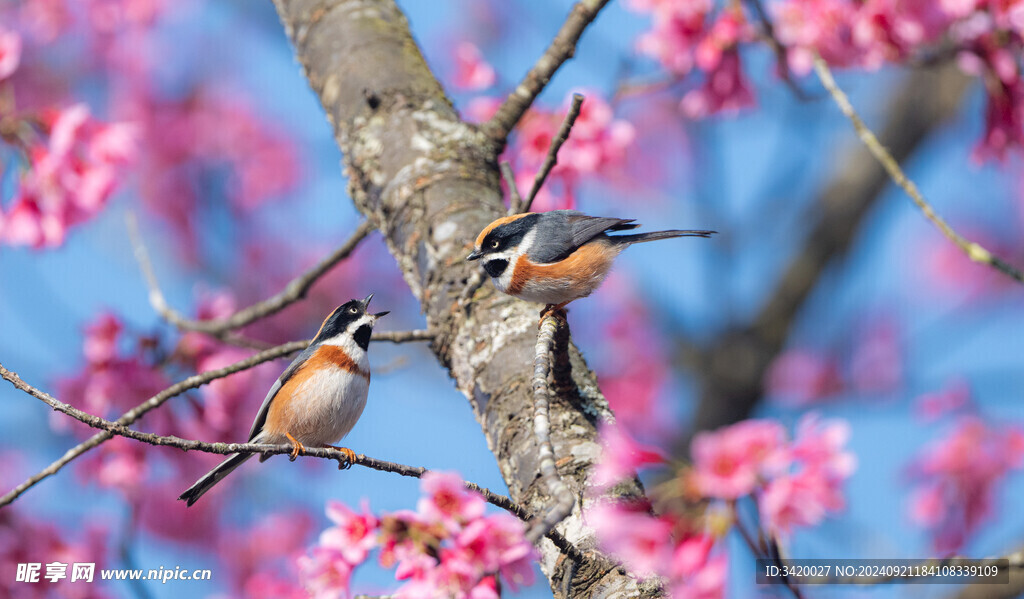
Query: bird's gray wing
[[561, 232], [261, 416]]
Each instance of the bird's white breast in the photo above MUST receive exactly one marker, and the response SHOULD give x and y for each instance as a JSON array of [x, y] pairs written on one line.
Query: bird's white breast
[[331, 403]]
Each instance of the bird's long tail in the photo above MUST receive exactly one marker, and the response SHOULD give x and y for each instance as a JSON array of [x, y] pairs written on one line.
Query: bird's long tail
[[193, 493], [656, 235]]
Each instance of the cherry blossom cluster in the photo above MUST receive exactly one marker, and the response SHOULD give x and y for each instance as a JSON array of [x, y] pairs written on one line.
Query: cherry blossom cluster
[[794, 483], [74, 163], [597, 144], [957, 477], [984, 36], [447, 547]]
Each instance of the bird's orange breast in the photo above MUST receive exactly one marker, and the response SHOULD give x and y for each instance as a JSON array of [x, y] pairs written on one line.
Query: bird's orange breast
[[582, 270], [281, 411]]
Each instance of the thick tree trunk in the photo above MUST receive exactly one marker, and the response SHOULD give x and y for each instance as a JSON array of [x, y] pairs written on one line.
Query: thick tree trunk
[[430, 183]]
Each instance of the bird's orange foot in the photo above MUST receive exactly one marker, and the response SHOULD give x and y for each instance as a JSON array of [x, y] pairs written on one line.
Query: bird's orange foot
[[556, 310], [350, 457], [297, 448]]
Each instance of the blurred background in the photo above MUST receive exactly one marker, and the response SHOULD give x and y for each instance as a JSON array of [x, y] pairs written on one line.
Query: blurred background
[[826, 291]]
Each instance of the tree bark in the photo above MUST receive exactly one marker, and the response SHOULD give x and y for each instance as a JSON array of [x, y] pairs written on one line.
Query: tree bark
[[430, 183]]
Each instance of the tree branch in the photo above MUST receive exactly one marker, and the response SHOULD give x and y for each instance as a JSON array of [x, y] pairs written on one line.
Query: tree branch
[[562, 48], [973, 250], [116, 428], [732, 371], [563, 499], [220, 327], [431, 182], [556, 144], [156, 401]]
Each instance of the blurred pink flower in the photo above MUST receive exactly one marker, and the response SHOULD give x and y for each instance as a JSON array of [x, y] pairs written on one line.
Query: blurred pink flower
[[799, 377], [325, 574], [695, 573], [819, 447], [353, 534], [957, 479], [621, 457], [729, 461], [642, 541], [951, 398], [725, 89], [876, 365], [70, 179], [471, 70], [252, 551], [10, 52], [447, 501], [678, 27]]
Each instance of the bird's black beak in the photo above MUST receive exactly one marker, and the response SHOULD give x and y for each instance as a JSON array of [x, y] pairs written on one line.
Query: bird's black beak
[[379, 314], [475, 255], [366, 302]]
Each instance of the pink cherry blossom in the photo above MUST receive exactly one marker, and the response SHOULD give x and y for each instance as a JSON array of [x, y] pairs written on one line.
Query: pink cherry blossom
[[69, 179], [876, 366], [729, 461], [325, 574], [621, 457], [471, 70], [819, 446], [642, 541], [353, 535], [695, 573], [448, 501], [958, 477], [10, 52], [801, 376], [953, 397]]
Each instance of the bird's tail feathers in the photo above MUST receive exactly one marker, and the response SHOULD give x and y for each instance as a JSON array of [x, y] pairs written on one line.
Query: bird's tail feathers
[[656, 235], [213, 477]]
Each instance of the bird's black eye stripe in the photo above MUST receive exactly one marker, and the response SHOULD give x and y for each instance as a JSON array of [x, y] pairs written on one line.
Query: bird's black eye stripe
[[362, 336], [509, 234]]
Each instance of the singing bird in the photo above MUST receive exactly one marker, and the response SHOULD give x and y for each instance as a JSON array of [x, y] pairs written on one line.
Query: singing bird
[[556, 257], [318, 399]]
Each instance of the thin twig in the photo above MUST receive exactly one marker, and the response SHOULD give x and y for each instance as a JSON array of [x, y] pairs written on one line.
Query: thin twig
[[779, 48], [561, 49], [403, 336], [515, 201], [974, 251], [563, 497], [220, 327], [137, 412], [556, 144], [120, 428]]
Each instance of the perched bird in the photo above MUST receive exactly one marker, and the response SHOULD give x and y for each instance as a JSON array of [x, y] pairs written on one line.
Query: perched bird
[[318, 398], [556, 257]]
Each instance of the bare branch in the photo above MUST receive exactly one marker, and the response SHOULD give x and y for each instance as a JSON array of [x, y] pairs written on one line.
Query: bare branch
[[120, 429], [138, 411], [556, 144], [779, 48], [220, 327], [561, 49], [564, 500], [973, 250], [403, 336], [515, 201]]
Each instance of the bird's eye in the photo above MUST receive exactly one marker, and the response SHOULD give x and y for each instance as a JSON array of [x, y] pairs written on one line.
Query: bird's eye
[[353, 310], [495, 244]]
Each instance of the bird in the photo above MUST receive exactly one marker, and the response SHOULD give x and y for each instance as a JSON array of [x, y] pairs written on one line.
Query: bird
[[318, 399], [557, 257]]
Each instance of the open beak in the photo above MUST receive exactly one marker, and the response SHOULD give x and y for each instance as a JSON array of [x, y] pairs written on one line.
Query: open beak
[[475, 255], [366, 302]]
